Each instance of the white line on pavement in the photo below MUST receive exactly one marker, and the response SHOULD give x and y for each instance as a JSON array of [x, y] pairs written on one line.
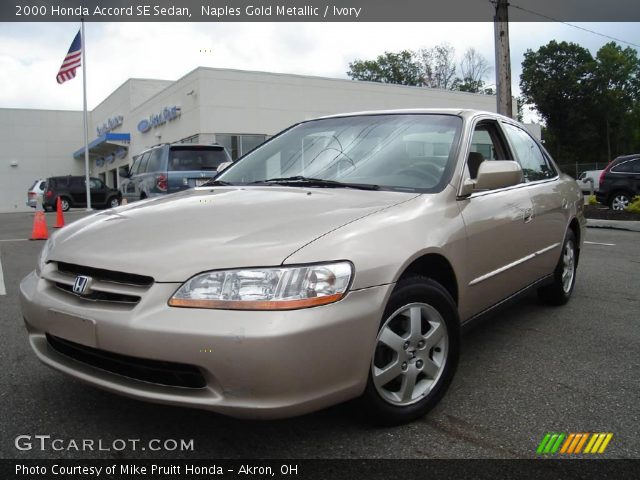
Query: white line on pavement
[[14, 240], [3, 291], [598, 243]]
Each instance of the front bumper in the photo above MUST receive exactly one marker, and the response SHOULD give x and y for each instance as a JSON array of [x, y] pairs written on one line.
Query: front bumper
[[256, 364]]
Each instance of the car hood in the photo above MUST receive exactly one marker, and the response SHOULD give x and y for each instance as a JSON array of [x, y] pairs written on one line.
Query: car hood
[[176, 236]]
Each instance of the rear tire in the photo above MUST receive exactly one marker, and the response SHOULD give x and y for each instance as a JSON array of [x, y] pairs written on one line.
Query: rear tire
[[65, 204], [619, 201], [416, 353], [564, 275], [113, 202]]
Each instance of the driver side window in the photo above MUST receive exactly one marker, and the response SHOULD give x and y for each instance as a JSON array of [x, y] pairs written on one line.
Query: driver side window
[[486, 145]]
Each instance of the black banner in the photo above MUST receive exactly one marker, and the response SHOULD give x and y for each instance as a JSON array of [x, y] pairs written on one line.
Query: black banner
[[314, 10], [319, 469]]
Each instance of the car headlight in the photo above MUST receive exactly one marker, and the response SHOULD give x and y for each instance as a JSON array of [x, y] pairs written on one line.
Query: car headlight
[[277, 288], [42, 258]]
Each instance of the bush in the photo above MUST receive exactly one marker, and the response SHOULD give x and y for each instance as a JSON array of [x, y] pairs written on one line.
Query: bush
[[592, 200], [634, 206]]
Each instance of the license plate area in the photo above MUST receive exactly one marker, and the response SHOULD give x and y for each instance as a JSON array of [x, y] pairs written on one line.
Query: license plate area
[[73, 328]]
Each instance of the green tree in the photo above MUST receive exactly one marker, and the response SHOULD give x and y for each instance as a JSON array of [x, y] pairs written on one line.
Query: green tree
[[400, 68], [617, 92], [558, 80]]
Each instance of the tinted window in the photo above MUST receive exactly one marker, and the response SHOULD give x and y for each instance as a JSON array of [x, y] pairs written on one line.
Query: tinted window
[[143, 162], [136, 165], [392, 151], [155, 161], [95, 184], [528, 154], [196, 158], [628, 166], [76, 182]]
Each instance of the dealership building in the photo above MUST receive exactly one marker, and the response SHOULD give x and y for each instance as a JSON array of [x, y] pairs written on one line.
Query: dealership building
[[237, 109]]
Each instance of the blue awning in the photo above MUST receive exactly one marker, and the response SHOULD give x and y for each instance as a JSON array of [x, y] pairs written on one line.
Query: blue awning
[[104, 145]]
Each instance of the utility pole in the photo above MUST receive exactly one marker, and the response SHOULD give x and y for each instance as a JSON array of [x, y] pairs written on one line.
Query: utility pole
[[503, 58]]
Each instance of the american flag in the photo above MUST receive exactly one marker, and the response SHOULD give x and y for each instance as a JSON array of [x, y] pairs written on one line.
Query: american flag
[[72, 61]]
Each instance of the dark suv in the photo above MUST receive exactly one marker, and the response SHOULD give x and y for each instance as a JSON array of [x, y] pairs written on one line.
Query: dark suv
[[73, 193], [620, 182], [170, 168]]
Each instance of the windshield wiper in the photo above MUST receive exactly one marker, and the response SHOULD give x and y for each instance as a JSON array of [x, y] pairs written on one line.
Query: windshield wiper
[[314, 182], [212, 183]]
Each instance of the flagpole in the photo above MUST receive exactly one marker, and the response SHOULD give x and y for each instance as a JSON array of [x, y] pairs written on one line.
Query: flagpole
[[86, 122]]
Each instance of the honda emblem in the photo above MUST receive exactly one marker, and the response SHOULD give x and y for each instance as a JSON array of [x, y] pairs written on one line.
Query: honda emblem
[[81, 284]]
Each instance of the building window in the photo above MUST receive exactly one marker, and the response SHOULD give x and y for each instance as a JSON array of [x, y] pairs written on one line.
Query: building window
[[238, 145]]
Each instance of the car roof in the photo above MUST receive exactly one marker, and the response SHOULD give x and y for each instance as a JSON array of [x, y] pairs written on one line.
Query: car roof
[[461, 112], [623, 158]]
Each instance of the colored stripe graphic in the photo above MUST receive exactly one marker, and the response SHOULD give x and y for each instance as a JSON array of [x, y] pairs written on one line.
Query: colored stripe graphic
[[573, 443]]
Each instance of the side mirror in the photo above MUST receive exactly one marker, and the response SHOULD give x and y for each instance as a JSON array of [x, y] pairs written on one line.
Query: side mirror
[[124, 172], [494, 174]]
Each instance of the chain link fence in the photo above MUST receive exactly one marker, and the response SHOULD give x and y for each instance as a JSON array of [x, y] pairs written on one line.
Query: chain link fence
[[575, 169]]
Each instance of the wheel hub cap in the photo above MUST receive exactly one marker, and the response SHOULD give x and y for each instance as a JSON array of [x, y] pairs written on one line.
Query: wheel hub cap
[[404, 374]]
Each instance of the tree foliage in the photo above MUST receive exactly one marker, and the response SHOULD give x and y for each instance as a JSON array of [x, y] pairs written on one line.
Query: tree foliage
[[428, 67], [400, 68], [590, 104]]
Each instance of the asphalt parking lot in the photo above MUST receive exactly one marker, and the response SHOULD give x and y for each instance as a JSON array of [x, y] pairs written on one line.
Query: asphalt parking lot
[[530, 370]]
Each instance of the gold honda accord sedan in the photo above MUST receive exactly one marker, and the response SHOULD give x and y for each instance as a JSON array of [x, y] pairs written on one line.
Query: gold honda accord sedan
[[339, 260]]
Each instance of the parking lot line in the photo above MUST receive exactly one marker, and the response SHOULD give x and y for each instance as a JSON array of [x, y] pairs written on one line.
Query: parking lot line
[[599, 243], [3, 291], [15, 240]]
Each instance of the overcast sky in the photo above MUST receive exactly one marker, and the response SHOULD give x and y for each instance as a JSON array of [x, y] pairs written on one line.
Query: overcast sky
[[30, 54]]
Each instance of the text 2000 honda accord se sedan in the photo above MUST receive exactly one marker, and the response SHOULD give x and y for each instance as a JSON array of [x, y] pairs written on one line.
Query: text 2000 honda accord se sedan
[[338, 260]]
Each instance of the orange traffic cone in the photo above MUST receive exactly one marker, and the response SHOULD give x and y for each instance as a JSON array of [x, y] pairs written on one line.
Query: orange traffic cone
[[39, 227], [59, 214]]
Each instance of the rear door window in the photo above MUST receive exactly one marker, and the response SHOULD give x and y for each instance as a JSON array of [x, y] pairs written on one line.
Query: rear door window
[[629, 166], [143, 162], [196, 158], [154, 163]]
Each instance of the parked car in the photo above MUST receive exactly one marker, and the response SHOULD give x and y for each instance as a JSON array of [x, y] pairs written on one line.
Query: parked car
[[620, 182], [587, 177], [73, 193], [35, 192], [170, 168], [338, 260]]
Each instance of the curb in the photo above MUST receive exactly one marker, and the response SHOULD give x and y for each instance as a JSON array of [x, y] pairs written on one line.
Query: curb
[[629, 226]]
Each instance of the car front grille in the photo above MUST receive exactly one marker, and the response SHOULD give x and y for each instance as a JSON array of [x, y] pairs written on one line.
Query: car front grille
[[98, 296], [107, 286], [142, 369], [105, 275]]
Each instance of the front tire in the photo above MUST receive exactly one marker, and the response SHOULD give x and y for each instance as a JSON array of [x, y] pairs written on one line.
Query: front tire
[[564, 275], [416, 353]]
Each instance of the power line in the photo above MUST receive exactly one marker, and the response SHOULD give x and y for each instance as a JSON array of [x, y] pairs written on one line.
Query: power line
[[572, 25]]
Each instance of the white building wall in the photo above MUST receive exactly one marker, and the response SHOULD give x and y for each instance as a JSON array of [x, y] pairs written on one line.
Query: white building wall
[[233, 101], [40, 143]]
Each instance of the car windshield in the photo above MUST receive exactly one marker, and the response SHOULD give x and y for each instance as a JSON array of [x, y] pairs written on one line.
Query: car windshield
[[196, 158], [395, 152]]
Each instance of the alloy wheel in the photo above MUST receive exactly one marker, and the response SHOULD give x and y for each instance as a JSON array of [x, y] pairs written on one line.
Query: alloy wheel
[[620, 202], [410, 355], [568, 263]]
